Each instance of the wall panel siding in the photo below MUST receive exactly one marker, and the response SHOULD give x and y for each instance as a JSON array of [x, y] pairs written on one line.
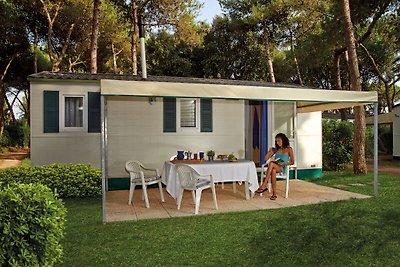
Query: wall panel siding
[[309, 140], [47, 148], [135, 131], [396, 132]]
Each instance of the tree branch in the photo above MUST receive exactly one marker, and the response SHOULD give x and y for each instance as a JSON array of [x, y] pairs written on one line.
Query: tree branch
[[3, 75], [374, 64], [377, 16]]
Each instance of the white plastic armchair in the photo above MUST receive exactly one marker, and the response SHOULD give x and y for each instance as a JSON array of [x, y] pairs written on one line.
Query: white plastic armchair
[[139, 175], [190, 179], [281, 175]]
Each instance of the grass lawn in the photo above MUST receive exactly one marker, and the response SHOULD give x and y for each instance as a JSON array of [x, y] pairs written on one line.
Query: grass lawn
[[363, 232]]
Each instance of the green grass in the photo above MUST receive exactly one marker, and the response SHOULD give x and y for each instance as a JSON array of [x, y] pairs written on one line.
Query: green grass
[[26, 163], [359, 232]]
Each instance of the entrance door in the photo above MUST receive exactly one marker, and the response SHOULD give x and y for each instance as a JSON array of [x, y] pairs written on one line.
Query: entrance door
[[283, 119]]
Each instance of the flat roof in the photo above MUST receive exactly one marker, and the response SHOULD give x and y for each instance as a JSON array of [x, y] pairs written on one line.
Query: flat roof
[[307, 99]]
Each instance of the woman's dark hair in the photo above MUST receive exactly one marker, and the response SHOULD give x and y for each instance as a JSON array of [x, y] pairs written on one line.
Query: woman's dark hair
[[285, 140]]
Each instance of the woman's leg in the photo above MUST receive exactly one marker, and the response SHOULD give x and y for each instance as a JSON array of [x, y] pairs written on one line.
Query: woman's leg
[[273, 182], [272, 166]]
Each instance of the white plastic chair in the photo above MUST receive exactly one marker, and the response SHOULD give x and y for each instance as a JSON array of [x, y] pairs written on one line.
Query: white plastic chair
[[142, 176], [190, 179], [281, 175]]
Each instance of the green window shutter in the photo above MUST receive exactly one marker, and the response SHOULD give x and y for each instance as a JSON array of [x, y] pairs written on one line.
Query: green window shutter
[[206, 121], [169, 110], [50, 108], [94, 112]]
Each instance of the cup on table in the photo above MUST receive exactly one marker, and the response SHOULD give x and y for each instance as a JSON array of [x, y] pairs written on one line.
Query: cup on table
[[201, 155], [195, 156]]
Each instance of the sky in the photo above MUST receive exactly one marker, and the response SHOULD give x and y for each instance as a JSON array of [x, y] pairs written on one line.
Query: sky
[[210, 9]]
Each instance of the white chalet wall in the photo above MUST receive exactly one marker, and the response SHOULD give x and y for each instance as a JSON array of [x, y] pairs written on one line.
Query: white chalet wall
[[63, 147], [135, 131]]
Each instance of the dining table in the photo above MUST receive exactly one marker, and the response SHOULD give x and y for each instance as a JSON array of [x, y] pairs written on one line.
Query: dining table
[[221, 170]]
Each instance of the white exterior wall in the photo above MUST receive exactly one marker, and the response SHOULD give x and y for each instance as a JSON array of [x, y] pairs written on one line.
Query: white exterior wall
[[309, 140], [396, 132], [135, 131], [63, 147]]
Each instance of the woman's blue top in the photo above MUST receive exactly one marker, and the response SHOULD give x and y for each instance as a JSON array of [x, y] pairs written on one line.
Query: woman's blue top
[[283, 157]]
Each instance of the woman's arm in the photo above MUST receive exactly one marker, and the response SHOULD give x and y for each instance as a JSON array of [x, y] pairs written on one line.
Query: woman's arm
[[269, 154], [291, 156]]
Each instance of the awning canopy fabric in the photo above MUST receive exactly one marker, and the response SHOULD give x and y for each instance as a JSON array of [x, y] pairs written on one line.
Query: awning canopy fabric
[[308, 100]]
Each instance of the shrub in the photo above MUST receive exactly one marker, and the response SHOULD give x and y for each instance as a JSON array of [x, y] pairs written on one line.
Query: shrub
[[337, 143], [4, 140], [31, 226], [15, 133], [369, 142], [67, 180], [27, 133]]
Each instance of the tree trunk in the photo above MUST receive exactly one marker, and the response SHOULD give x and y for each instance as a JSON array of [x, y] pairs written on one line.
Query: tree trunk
[[28, 106], [56, 62], [95, 34], [359, 164], [2, 96], [3, 93], [269, 58], [338, 83], [295, 60], [35, 42], [134, 38], [115, 57], [10, 108]]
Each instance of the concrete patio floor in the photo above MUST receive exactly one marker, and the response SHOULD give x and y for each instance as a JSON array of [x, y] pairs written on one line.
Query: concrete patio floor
[[300, 193]]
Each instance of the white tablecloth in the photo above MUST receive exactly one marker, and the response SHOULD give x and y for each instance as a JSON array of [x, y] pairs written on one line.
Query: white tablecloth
[[240, 171]]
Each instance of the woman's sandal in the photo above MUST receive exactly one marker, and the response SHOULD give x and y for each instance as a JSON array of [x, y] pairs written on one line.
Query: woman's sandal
[[273, 197], [260, 190]]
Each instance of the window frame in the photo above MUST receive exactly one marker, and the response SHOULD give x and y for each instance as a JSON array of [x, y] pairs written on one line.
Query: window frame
[[62, 97], [178, 116]]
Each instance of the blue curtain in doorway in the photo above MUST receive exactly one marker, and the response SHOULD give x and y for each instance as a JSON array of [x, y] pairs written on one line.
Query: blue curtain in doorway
[[256, 130], [264, 131]]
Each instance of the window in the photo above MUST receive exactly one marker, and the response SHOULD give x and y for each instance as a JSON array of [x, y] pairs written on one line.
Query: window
[[68, 112], [73, 115], [188, 113], [73, 111]]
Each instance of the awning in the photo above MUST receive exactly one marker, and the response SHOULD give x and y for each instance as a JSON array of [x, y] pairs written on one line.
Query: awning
[[308, 100]]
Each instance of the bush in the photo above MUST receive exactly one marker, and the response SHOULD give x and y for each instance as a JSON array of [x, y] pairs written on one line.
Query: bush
[[369, 142], [4, 140], [67, 180], [337, 143], [15, 133], [32, 223]]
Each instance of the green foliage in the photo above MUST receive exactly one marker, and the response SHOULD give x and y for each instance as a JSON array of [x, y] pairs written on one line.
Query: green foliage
[[337, 143], [15, 133], [32, 222], [369, 142], [4, 140], [26, 163], [67, 180]]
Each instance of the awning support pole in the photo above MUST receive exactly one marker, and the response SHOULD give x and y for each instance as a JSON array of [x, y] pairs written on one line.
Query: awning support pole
[[103, 144], [376, 149]]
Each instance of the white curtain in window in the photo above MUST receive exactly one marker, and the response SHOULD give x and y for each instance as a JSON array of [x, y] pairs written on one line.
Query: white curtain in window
[[188, 113], [73, 111], [283, 118]]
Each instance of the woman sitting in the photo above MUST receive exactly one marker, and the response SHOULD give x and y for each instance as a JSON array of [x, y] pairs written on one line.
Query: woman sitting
[[284, 152]]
